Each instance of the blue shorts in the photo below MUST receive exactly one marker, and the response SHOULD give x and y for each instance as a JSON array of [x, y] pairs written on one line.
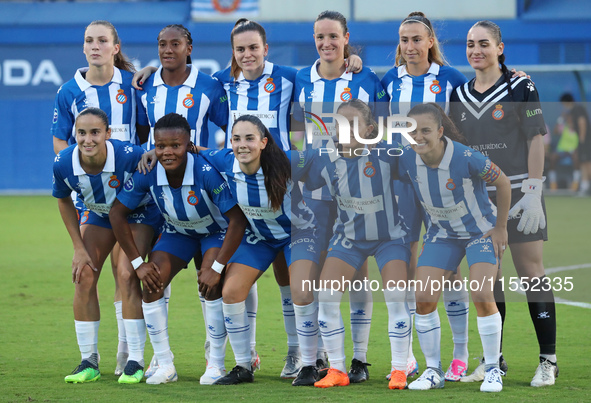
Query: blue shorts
[[355, 253], [447, 254], [148, 215], [259, 253], [409, 208], [325, 212], [303, 246], [186, 246]]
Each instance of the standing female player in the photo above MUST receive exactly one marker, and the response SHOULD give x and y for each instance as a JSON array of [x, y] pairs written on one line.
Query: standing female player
[[96, 169], [320, 88], [421, 75], [368, 224], [179, 87], [450, 181], [192, 197], [104, 84], [259, 174], [501, 116]]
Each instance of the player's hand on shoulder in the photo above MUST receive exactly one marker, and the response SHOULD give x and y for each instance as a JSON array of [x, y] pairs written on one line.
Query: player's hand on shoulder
[[147, 162], [140, 77]]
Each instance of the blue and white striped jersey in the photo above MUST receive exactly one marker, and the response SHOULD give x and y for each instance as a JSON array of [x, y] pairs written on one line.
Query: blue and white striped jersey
[[268, 97], [116, 99], [199, 99], [314, 94], [252, 197], [195, 208], [454, 194], [98, 191], [362, 188], [406, 91]]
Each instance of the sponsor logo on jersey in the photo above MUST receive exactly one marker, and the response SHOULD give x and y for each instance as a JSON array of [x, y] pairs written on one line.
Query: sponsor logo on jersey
[[450, 185], [463, 116], [192, 198], [381, 94], [435, 87], [269, 85], [114, 182], [188, 102], [498, 112], [533, 112], [369, 170], [346, 95], [121, 97]]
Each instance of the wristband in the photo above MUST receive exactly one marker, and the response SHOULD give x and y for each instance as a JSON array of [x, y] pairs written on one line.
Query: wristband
[[217, 267], [137, 262]]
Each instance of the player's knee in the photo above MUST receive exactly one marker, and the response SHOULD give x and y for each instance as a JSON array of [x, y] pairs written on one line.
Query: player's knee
[[425, 307], [87, 280]]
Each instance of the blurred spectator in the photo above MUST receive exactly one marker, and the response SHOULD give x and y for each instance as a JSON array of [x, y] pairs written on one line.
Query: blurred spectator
[[562, 154], [580, 124]]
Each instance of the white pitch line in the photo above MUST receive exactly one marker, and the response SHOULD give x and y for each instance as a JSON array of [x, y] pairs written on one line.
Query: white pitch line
[[562, 300]]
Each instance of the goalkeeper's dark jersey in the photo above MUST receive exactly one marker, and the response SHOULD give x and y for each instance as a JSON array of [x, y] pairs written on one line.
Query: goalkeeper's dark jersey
[[499, 124]]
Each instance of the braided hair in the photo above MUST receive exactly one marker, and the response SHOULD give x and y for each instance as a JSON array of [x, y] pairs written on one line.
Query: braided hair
[[184, 32]]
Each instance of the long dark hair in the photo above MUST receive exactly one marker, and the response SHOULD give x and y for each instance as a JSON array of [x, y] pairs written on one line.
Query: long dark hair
[[435, 52], [184, 32], [244, 25], [340, 18], [495, 31], [274, 162], [95, 112], [121, 61], [449, 128]]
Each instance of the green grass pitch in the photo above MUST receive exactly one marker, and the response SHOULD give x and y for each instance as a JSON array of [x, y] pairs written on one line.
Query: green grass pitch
[[38, 344]]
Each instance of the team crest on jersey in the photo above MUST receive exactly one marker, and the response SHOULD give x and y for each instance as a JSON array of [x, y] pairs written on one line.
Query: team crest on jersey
[[369, 170], [188, 102], [346, 95], [269, 85], [435, 87], [121, 97], [450, 185], [114, 182], [498, 112], [84, 218], [192, 199]]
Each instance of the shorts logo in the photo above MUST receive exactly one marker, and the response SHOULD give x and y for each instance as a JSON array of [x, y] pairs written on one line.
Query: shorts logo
[[84, 218], [114, 182], [192, 199], [450, 185], [128, 187], [435, 87], [269, 85], [498, 113], [369, 170], [188, 102], [346, 95], [121, 97]]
